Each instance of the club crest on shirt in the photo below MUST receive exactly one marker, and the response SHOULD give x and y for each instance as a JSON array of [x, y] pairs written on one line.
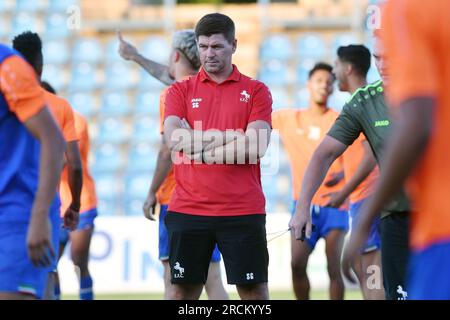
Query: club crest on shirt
[[244, 96], [196, 103]]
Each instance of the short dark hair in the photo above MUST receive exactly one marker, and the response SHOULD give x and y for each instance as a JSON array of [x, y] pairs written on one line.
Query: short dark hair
[[47, 86], [215, 23], [321, 66], [29, 45], [357, 55]]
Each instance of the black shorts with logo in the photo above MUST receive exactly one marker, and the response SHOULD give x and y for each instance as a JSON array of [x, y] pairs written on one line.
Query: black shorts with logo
[[241, 240]]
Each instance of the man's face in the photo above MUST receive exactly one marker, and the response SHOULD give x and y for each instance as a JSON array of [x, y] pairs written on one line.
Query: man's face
[[340, 71], [215, 52], [380, 60], [320, 86]]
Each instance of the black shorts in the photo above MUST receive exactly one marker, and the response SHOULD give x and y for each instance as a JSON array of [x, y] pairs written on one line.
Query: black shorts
[[241, 240], [394, 230]]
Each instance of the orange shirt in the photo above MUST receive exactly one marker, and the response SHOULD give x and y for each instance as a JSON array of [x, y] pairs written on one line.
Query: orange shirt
[[166, 189], [301, 131], [416, 35], [352, 159], [63, 114], [88, 194]]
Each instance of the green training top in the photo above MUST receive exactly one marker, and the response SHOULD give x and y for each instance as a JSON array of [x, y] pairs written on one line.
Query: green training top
[[367, 112]]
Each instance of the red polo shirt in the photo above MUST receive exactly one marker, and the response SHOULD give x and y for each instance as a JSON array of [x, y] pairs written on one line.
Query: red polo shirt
[[219, 189]]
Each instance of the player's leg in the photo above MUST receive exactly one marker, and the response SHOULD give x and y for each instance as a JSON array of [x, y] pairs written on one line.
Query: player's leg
[[64, 236], [80, 244], [191, 243], [214, 285], [243, 244], [335, 226], [300, 252], [394, 253], [163, 248]]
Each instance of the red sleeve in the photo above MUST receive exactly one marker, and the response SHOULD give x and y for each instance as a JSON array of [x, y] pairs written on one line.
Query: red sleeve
[[261, 105], [20, 88], [175, 101]]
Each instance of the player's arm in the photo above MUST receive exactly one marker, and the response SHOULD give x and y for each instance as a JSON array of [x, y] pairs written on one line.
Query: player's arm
[[44, 128], [157, 70], [365, 167], [323, 157], [163, 166]]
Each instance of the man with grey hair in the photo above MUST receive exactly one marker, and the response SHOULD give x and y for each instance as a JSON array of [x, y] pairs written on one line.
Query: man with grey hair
[[184, 61]]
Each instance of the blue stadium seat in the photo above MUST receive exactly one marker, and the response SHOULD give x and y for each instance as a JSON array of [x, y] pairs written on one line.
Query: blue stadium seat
[[107, 186], [107, 208], [303, 69], [56, 52], [338, 99], [87, 50], [302, 98], [53, 75], [112, 50], [142, 157], [373, 75], [146, 129], [6, 6], [112, 130], [148, 82], [280, 98], [83, 102], [24, 21], [83, 77], [56, 26], [274, 72], [136, 188], [157, 49], [108, 158], [147, 104], [115, 103], [311, 46], [119, 75], [343, 39], [61, 5], [276, 47], [28, 5]]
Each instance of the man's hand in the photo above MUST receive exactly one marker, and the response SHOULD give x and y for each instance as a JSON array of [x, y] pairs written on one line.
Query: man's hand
[[300, 224], [334, 179], [126, 50], [149, 206], [336, 199], [40, 249], [71, 218]]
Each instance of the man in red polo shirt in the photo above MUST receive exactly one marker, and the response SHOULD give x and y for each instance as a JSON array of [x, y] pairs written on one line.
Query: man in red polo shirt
[[218, 197]]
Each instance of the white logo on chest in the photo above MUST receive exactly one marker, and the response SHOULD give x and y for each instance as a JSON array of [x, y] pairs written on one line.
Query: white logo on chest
[[244, 96], [196, 103], [314, 133]]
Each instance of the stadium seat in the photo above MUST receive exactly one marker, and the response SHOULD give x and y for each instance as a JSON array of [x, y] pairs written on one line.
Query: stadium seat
[[303, 69], [83, 102], [338, 99], [148, 82], [302, 98], [146, 129], [108, 158], [107, 186], [83, 77], [156, 48], [136, 189], [142, 157], [107, 208], [311, 46], [276, 47], [28, 5], [61, 5], [56, 52], [373, 75], [274, 72], [56, 26], [280, 98], [112, 50], [147, 104], [115, 103], [112, 130], [24, 21], [343, 39], [87, 50], [119, 75], [53, 75]]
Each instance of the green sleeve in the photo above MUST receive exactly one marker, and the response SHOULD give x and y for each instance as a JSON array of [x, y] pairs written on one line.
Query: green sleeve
[[347, 127]]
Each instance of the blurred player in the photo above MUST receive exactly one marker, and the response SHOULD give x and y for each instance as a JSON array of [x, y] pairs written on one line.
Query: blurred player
[[417, 39], [351, 67], [31, 153], [366, 112], [183, 62], [301, 132]]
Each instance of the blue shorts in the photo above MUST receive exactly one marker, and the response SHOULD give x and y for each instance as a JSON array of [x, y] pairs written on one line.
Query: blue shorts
[[429, 276], [86, 222], [17, 272], [374, 240], [325, 219], [164, 239]]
